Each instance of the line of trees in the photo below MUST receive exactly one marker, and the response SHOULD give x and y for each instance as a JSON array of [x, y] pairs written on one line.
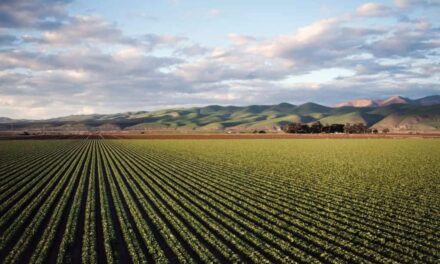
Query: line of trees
[[317, 127]]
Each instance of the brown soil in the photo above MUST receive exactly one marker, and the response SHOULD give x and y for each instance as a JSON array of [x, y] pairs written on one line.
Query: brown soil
[[226, 136]]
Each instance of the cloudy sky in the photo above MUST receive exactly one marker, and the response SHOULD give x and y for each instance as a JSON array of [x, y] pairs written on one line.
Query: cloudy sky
[[61, 57]]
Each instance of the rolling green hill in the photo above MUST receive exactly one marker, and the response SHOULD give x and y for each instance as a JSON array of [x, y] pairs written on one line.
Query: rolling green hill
[[407, 117]]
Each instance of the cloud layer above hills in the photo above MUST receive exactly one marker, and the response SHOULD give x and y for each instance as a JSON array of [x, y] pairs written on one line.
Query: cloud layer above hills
[[61, 57]]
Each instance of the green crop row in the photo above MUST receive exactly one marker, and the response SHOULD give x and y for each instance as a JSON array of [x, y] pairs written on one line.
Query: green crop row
[[220, 201]]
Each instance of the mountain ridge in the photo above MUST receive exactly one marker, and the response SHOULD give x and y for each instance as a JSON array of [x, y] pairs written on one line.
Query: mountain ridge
[[396, 99], [419, 114]]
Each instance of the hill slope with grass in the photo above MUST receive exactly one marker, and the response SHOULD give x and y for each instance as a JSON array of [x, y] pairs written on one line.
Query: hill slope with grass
[[398, 116]]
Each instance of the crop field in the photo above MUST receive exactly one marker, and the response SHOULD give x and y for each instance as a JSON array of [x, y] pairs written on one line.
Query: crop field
[[220, 201]]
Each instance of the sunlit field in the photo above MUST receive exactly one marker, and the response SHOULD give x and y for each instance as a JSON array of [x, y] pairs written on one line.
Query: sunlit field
[[221, 201]]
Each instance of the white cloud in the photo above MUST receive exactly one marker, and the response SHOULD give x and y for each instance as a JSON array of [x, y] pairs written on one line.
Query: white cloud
[[7, 101], [238, 39], [85, 64], [192, 50], [32, 14], [129, 53], [82, 29], [86, 110], [412, 3], [325, 43], [373, 10], [415, 39]]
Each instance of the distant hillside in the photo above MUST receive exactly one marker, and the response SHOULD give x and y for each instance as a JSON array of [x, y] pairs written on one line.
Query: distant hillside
[[429, 100], [393, 113], [5, 120]]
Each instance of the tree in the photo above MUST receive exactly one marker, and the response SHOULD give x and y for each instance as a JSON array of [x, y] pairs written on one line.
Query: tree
[[296, 128], [336, 128], [360, 128], [385, 130], [348, 129], [316, 127]]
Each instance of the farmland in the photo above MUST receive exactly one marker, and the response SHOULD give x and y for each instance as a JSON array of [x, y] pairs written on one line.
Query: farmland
[[220, 201]]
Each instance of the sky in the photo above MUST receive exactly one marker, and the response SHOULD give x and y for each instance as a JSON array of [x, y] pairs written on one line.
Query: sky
[[64, 57]]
